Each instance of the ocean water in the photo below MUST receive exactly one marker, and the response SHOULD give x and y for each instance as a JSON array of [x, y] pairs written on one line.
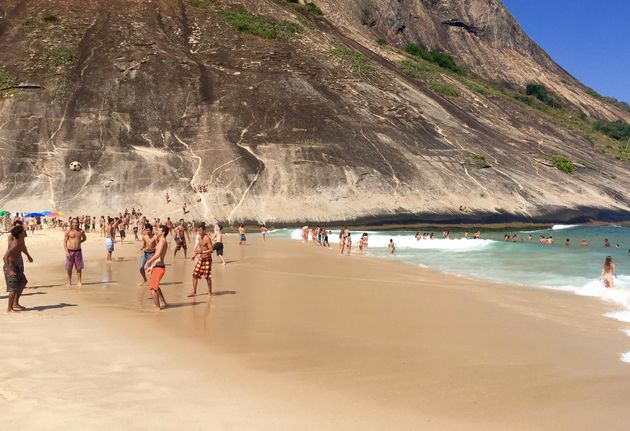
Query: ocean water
[[571, 268]]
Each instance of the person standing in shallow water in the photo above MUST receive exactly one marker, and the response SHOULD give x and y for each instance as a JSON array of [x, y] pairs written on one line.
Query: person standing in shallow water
[[72, 244], [608, 272]]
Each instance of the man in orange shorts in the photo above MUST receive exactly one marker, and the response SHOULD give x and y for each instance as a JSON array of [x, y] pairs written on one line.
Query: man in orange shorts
[[203, 267], [155, 266]]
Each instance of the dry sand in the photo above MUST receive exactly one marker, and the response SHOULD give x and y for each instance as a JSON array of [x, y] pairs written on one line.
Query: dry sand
[[299, 338]]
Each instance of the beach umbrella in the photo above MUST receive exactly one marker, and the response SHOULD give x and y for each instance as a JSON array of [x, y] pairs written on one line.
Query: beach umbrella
[[3, 212], [33, 215], [47, 213]]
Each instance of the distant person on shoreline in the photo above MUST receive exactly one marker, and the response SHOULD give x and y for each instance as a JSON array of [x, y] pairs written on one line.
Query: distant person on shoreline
[[608, 272], [567, 242], [263, 231], [72, 244], [606, 243], [149, 242], [584, 243], [14, 268], [156, 267], [218, 241], [242, 238], [391, 247]]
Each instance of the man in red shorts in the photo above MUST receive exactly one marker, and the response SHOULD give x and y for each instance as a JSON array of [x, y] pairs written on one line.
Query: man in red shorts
[[156, 267], [203, 267]]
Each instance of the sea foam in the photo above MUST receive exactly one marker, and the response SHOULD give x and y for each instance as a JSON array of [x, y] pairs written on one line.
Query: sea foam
[[407, 241]]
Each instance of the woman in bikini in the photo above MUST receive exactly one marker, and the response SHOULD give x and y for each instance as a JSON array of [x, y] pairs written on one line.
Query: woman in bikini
[[608, 272]]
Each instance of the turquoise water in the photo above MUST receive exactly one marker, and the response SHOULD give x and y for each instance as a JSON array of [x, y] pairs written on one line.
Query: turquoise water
[[574, 268]]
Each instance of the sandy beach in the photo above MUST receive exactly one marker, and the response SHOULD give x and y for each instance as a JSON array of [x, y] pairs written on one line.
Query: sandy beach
[[299, 338]]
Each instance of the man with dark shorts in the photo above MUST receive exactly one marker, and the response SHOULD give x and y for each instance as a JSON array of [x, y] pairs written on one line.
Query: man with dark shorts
[[149, 242], [72, 244], [203, 267], [180, 239], [14, 269], [218, 241]]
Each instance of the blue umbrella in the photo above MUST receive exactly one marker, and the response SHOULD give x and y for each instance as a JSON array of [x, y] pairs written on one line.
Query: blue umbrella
[[33, 215]]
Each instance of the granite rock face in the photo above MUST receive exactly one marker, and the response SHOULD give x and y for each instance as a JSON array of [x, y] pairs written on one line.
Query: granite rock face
[[162, 96]]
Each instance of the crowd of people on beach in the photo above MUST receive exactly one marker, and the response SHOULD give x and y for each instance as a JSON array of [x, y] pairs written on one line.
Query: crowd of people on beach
[[153, 237]]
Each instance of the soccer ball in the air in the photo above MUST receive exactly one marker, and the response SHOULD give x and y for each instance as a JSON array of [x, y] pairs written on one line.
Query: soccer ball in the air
[[75, 166]]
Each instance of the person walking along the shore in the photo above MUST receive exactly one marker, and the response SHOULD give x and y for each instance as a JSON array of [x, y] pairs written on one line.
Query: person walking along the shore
[[203, 267], [156, 267], [149, 242], [218, 241], [72, 244], [14, 268]]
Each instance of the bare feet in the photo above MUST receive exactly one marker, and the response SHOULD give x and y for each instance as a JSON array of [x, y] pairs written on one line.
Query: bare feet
[[18, 308], [142, 283], [191, 295]]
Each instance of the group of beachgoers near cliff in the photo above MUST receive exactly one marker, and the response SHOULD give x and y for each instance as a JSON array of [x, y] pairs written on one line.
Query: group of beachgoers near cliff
[[153, 237]]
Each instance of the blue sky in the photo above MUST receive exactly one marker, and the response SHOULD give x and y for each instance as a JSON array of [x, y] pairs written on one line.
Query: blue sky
[[588, 38]]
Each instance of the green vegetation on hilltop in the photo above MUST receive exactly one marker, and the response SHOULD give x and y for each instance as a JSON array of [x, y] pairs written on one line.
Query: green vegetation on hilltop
[[602, 135], [260, 26], [356, 61], [444, 89], [563, 164], [309, 7], [42, 19], [618, 103], [7, 79], [618, 130], [61, 56], [540, 92], [443, 60]]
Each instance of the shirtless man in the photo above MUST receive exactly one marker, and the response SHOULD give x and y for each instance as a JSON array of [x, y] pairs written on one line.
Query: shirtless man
[[136, 225], [110, 238], [72, 241], [180, 239], [218, 241], [122, 229], [149, 242], [156, 267], [14, 267], [203, 267], [241, 231]]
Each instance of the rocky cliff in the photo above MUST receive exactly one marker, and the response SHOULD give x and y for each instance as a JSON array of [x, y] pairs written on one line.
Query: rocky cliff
[[279, 112]]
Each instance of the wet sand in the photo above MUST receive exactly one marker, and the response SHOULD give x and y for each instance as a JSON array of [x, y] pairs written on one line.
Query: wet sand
[[300, 338]]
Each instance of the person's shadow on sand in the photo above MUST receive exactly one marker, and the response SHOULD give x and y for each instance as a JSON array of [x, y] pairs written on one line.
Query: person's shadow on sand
[[25, 294], [224, 292], [184, 304], [49, 307]]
